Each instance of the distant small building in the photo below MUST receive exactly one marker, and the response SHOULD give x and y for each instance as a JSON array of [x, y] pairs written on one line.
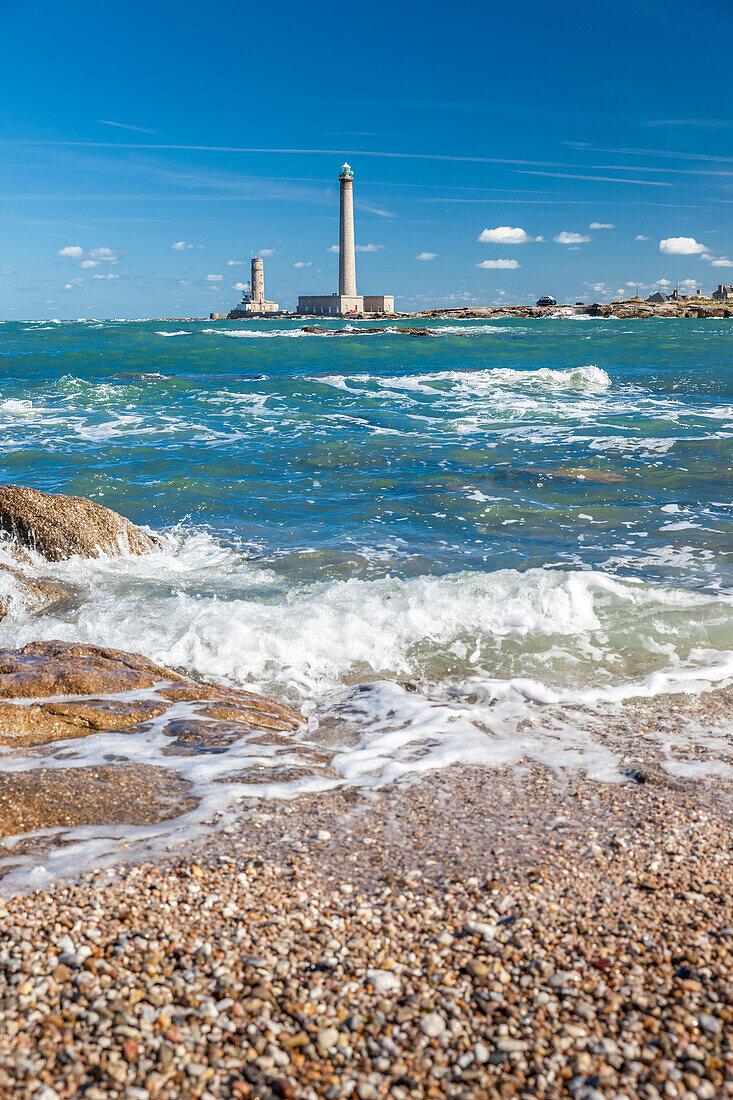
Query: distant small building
[[546, 300], [724, 293], [658, 297]]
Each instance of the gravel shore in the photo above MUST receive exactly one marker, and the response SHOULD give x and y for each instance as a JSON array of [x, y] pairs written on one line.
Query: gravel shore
[[479, 934]]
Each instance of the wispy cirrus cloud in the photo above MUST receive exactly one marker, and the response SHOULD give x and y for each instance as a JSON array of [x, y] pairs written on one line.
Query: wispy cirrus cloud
[[184, 246], [693, 123], [601, 225], [591, 179], [372, 209], [369, 248], [125, 126], [426, 256]]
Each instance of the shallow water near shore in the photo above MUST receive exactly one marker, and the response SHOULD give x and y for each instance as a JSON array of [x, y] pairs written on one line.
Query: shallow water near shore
[[476, 548]]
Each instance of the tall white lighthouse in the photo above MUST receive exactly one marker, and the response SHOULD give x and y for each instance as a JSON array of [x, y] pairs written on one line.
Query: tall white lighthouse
[[346, 302], [347, 252]]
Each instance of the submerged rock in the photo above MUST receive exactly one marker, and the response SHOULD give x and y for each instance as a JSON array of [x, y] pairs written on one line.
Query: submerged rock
[[29, 594], [112, 794], [79, 679], [317, 330], [58, 527]]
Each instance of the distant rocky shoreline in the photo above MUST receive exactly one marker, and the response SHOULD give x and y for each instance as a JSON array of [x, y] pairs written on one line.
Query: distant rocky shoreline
[[631, 309]]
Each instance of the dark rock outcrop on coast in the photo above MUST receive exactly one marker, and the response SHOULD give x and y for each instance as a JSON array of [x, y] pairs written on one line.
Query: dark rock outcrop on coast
[[58, 527], [632, 309]]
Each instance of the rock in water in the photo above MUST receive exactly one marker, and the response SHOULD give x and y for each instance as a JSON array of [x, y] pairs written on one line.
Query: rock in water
[[58, 526], [56, 691], [28, 594], [78, 680]]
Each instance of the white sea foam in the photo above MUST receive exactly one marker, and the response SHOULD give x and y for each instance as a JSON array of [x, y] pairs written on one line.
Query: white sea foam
[[254, 334], [181, 332], [16, 407], [396, 676]]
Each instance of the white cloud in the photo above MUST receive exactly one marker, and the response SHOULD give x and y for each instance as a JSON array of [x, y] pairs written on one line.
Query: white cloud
[[689, 284], [303, 263], [73, 251], [107, 254], [181, 246], [722, 262], [89, 263], [73, 283], [333, 248], [426, 256], [601, 225], [566, 237], [681, 246], [265, 252], [664, 282], [184, 282], [241, 286], [370, 248], [504, 234], [640, 237], [234, 263], [68, 286], [214, 278], [105, 276], [499, 265]]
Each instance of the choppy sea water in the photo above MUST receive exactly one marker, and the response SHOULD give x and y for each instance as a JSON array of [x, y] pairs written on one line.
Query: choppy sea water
[[466, 548]]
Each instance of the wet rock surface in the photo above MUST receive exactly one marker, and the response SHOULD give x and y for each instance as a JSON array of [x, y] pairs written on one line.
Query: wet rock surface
[[29, 594], [64, 798], [57, 526], [80, 682]]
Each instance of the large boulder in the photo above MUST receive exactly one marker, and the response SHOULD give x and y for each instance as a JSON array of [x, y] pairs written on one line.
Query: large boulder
[[79, 680], [58, 527]]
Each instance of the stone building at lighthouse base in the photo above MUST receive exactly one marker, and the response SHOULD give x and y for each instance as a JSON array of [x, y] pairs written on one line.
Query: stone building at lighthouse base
[[342, 305]]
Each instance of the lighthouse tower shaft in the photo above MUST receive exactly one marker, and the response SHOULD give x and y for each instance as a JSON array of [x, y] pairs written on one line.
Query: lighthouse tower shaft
[[347, 251], [257, 281]]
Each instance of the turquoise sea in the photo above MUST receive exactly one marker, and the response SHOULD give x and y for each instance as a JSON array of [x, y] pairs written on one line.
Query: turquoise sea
[[468, 547]]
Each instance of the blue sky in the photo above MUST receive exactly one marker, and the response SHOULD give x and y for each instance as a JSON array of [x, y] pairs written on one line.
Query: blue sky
[[575, 149]]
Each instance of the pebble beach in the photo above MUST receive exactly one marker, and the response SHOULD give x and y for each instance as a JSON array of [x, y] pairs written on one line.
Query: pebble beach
[[475, 935]]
